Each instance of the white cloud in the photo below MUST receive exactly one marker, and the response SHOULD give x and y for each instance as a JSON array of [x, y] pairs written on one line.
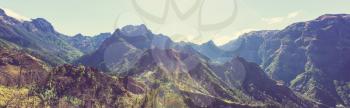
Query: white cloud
[[293, 14], [221, 40], [13, 14], [241, 32], [273, 20], [281, 19]]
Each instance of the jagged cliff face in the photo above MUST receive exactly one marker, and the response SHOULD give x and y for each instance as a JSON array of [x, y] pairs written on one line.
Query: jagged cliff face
[[256, 84], [260, 86], [327, 46], [249, 45], [310, 56], [120, 52]]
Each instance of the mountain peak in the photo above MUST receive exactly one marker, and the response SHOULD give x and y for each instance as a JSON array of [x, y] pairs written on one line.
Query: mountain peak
[[104, 34], [129, 28], [2, 12], [78, 35], [333, 16], [134, 30], [43, 25], [209, 43]]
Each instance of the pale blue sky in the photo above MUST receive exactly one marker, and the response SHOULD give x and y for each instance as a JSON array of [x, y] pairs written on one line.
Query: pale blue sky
[[92, 17]]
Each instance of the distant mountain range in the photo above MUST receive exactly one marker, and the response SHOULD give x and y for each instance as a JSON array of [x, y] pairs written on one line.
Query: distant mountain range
[[310, 57], [87, 44], [304, 65], [39, 38]]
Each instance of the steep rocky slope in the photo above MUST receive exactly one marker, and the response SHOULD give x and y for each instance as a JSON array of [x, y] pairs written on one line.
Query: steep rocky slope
[[254, 82], [80, 86], [19, 69], [190, 77], [309, 56], [248, 45], [123, 49], [167, 73], [37, 37]]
